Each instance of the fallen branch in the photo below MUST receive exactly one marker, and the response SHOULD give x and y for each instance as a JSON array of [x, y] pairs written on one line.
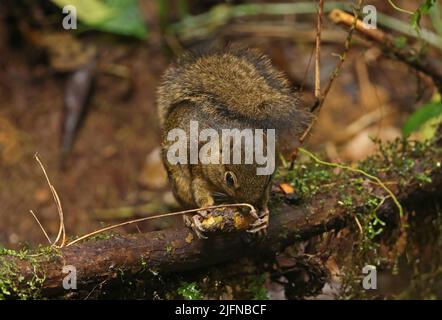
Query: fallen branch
[[178, 250], [426, 65]]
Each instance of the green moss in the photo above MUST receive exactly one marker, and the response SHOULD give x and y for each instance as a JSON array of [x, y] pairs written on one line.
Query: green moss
[[169, 248], [423, 178], [401, 162], [190, 291], [47, 251], [346, 201], [100, 236], [308, 178], [21, 254], [257, 289], [12, 283], [399, 158], [144, 265]]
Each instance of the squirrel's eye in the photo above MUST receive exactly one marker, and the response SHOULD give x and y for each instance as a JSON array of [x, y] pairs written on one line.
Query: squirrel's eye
[[230, 178]]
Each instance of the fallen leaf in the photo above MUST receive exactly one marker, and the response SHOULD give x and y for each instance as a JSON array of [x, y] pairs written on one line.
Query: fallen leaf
[[286, 188]]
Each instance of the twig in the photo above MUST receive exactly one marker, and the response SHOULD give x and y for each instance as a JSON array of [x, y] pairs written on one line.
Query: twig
[[282, 30], [318, 50], [163, 215], [61, 231], [343, 56], [361, 230], [398, 8], [41, 227], [304, 77]]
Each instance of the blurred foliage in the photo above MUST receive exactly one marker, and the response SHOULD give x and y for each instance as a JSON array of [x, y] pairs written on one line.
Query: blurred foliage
[[436, 18], [115, 16], [423, 116], [423, 9], [123, 17], [190, 26]]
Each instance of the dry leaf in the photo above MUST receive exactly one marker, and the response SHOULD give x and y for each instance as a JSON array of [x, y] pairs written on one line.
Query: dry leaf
[[286, 188]]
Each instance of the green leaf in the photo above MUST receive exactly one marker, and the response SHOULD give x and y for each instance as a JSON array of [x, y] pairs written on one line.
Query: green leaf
[[91, 12], [115, 16], [422, 115], [415, 19], [427, 5], [127, 22], [423, 9]]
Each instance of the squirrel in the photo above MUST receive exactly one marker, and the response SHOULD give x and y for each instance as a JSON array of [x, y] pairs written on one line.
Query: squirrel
[[228, 88]]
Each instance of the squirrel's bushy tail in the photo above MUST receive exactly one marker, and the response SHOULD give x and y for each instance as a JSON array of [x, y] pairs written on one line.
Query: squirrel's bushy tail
[[237, 83]]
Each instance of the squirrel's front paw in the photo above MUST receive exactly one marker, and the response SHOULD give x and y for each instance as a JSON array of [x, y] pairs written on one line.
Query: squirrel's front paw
[[260, 225], [194, 222]]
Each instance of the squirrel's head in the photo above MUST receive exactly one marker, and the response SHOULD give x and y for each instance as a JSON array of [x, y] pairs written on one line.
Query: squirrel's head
[[238, 183], [243, 179]]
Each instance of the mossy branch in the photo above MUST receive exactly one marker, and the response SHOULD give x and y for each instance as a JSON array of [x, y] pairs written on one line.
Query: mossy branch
[[329, 201]]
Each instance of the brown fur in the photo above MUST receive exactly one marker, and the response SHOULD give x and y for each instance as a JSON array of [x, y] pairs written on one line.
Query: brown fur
[[234, 83], [232, 88]]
